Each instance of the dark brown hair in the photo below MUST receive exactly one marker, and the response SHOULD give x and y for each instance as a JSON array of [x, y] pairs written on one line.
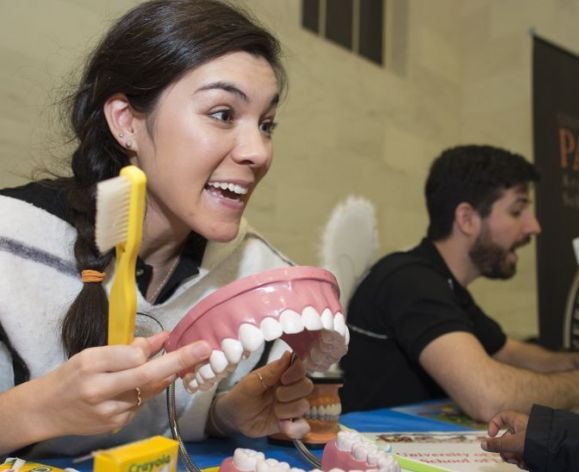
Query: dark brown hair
[[144, 52], [475, 174]]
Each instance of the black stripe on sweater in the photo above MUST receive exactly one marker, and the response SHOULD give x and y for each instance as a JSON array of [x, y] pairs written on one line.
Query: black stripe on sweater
[[39, 256]]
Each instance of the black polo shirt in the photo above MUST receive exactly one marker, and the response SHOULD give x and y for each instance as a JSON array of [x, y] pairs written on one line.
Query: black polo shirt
[[407, 300]]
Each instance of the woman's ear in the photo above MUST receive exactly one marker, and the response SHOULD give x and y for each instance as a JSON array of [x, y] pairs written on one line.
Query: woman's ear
[[120, 118], [467, 219]]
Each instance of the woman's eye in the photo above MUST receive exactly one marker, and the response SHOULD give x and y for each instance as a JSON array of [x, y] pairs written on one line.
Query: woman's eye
[[222, 115], [267, 127]]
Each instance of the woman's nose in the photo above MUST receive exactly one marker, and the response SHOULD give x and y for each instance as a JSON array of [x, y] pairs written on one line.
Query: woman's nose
[[253, 148]]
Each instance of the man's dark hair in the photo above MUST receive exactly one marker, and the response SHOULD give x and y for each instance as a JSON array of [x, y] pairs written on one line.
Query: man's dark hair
[[477, 175]]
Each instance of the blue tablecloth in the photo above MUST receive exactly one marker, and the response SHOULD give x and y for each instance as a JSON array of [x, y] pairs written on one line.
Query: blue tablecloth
[[212, 451]]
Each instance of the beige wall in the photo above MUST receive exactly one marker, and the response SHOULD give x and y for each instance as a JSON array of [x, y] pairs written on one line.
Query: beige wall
[[459, 72]]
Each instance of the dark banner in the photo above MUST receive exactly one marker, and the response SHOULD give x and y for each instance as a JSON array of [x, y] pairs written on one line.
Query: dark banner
[[556, 148]]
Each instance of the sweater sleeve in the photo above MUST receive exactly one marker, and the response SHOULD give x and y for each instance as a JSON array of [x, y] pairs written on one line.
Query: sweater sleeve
[[6, 369], [552, 441]]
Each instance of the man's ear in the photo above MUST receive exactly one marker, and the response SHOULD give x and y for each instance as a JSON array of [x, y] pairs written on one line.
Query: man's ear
[[121, 120], [467, 219]]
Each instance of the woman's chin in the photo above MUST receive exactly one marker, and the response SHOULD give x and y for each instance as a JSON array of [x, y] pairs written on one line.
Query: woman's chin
[[222, 233]]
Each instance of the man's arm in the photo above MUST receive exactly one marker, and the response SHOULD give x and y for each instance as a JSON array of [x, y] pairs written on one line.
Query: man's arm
[[537, 358], [483, 386]]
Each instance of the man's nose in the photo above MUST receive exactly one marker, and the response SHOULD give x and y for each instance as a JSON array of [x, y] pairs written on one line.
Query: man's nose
[[532, 227]]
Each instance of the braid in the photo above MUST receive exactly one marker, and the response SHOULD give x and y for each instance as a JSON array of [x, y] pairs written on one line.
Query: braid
[[85, 324]]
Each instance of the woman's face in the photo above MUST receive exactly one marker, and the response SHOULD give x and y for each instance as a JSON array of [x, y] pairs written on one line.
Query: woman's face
[[207, 144]]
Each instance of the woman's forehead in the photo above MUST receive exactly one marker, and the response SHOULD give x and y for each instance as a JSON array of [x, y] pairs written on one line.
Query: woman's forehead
[[239, 68]]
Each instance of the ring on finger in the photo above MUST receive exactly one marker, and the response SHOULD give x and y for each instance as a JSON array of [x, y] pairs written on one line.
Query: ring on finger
[[139, 396], [260, 377]]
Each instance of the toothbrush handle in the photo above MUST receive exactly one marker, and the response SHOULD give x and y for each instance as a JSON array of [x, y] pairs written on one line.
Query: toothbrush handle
[[122, 300]]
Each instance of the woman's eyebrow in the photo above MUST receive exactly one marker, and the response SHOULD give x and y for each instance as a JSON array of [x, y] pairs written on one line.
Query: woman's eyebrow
[[233, 89], [226, 86]]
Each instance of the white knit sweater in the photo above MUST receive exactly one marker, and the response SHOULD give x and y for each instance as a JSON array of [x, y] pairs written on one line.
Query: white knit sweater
[[39, 281]]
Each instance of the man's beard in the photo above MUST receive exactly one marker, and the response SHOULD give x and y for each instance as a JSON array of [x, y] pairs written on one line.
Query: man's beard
[[491, 260]]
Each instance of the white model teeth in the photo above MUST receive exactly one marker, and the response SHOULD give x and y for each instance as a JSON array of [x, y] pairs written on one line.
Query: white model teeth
[[291, 322], [232, 349], [246, 459], [374, 456], [364, 450], [238, 189], [359, 452], [207, 372], [218, 361], [311, 319], [272, 465], [270, 328], [340, 324], [250, 336], [329, 345], [344, 442], [327, 319], [199, 378], [387, 461], [190, 383], [325, 412]]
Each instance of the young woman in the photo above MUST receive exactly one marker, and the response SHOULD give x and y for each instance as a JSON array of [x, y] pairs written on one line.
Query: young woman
[[186, 90]]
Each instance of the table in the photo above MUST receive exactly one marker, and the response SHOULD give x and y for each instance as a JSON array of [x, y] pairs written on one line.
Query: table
[[212, 451]]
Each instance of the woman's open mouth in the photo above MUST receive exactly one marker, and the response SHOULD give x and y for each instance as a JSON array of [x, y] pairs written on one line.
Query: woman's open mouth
[[228, 190]]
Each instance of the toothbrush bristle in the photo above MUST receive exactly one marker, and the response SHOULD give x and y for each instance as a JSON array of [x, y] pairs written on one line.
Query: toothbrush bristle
[[112, 204]]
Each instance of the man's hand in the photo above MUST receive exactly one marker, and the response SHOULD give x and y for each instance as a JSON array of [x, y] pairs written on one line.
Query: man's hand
[[536, 358]]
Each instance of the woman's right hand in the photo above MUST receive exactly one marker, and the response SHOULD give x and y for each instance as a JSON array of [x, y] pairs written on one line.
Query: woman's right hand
[[95, 391]]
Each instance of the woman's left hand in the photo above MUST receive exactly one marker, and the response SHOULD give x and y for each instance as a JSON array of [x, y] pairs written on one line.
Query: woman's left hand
[[266, 401]]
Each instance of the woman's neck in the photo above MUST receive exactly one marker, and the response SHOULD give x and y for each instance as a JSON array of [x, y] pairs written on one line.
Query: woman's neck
[[161, 251], [162, 240]]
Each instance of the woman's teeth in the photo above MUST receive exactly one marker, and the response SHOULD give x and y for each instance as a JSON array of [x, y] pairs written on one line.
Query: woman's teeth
[[237, 190]]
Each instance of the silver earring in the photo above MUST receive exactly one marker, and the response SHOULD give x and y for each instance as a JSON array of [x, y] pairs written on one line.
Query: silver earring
[[121, 135], [128, 144]]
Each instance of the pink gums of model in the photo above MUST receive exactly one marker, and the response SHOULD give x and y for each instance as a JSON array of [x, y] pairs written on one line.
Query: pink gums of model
[[297, 304]]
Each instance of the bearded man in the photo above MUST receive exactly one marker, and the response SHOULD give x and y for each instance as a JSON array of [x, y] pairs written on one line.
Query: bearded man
[[416, 332]]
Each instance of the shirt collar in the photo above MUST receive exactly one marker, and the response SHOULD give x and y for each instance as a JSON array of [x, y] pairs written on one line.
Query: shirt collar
[[427, 249], [188, 266]]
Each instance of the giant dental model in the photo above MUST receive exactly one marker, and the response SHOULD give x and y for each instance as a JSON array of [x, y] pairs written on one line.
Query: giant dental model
[[348, 452], [297, 304]]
